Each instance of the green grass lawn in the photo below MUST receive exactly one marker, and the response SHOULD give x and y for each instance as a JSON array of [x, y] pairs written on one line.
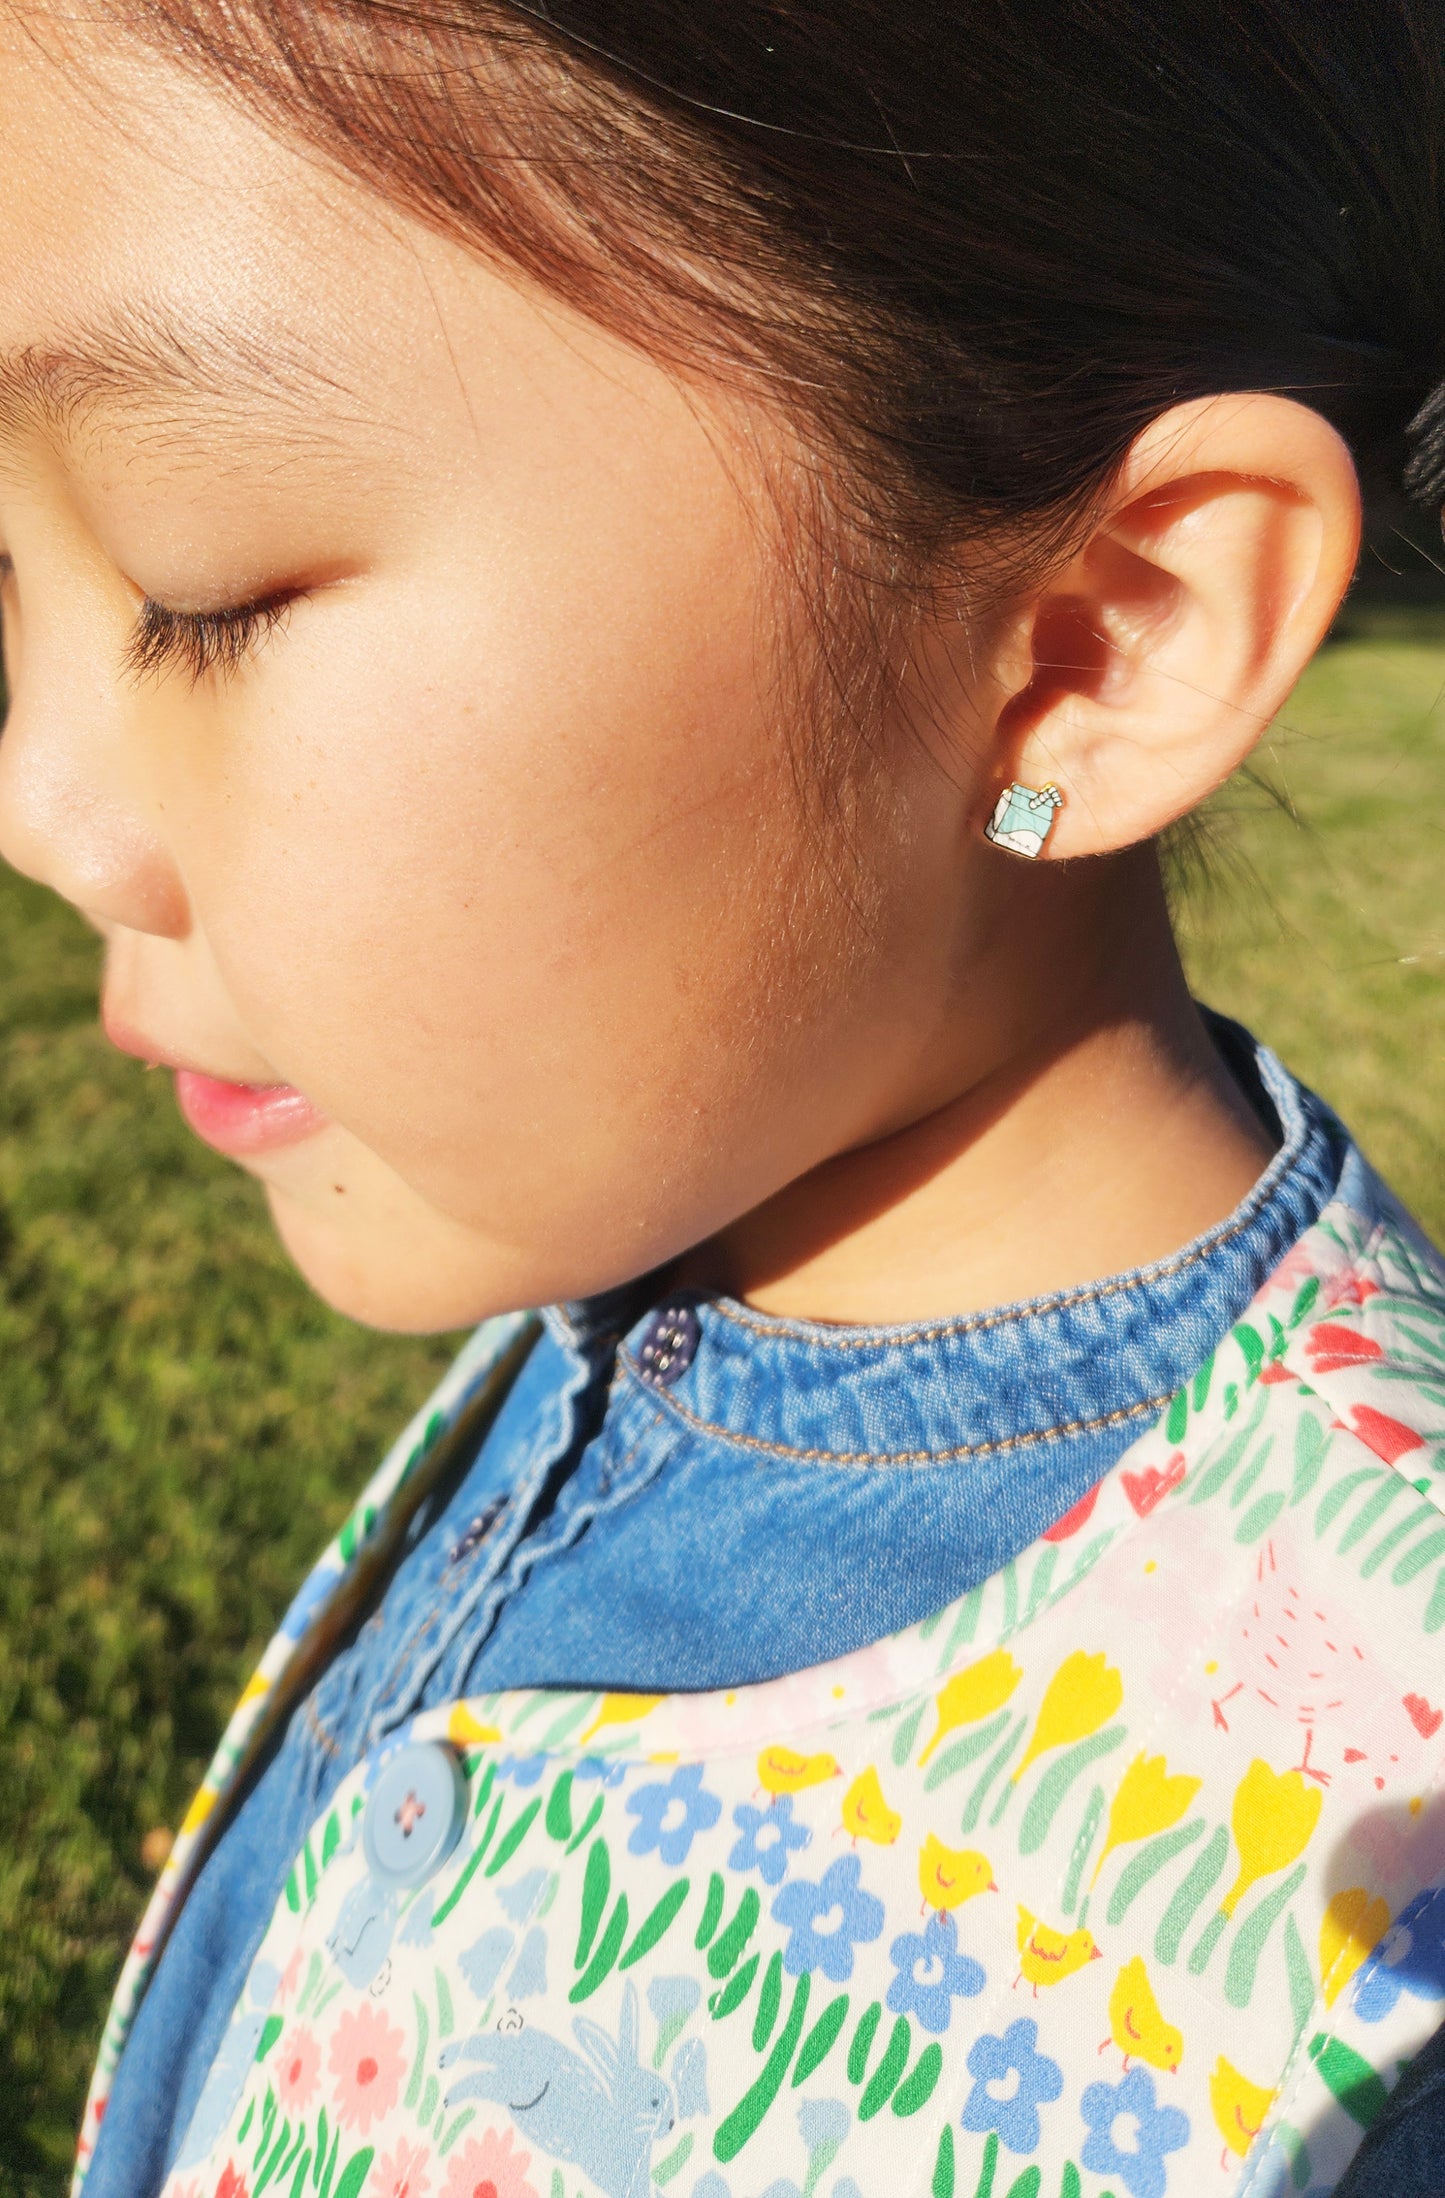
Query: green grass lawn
[[1321, 918], [180, 1424]]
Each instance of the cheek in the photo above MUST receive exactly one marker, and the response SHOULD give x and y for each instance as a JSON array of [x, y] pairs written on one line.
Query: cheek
[[520, 931]]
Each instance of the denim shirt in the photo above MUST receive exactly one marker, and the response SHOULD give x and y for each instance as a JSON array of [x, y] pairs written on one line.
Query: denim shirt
[[682, 1494]]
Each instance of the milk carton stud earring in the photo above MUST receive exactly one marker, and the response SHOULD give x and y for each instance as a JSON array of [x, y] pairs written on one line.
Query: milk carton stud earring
[[1023, 818]]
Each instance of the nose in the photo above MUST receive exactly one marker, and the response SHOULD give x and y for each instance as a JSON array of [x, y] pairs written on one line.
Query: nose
[[75, 809]]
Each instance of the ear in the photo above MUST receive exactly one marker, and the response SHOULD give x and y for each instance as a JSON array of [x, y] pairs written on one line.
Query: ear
[[1145, 672]]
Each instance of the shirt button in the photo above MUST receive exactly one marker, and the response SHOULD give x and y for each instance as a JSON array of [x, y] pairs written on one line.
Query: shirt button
[[669, 1344], [415, 1815]]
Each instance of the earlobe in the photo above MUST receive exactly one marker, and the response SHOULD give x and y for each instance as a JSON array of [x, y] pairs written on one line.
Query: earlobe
[[1160, 654]]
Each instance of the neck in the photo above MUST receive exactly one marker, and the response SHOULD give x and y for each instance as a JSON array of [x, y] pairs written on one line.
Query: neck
[[1100, 1133]]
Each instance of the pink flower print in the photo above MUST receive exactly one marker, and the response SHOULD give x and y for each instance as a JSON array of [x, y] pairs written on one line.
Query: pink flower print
[[1145, 1490], [290, 1976], [1331, 1346], [232, 2183], [297, 2066], [1076, 1517], [1388, 1438], [1347, 1288], [401, 2174], [1296, 1267], [367, 2062], [487, 2167]]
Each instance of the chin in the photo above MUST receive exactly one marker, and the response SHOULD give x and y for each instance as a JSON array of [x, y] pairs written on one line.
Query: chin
[[406, 1278]]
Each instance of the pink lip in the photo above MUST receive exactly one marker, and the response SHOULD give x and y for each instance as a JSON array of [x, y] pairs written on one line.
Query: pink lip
[[242, 1119]]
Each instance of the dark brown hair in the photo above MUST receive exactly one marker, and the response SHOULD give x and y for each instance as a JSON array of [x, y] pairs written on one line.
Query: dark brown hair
[[978, 244]]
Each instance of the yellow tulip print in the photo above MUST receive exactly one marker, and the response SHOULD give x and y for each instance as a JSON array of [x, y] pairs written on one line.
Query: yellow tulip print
[[466, 1731], [1084, 1693], [1273, 1818], [1148, 1800], [1352, 1927], [620, 1709], [974, 1693]]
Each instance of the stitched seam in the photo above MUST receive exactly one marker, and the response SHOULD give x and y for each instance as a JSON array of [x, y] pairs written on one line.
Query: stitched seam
[[320, 1732], [1302, 2061], [1284, 1164], [996, 1448], [407, 1652], [1088, 1293]]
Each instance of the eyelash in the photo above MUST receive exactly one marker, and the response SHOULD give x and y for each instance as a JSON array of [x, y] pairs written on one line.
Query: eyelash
[[196, 642], [200, 642]]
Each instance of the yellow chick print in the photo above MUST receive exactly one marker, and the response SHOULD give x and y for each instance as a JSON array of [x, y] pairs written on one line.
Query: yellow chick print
[[948, 1876], [1239, 2106], [973, 1693], [784, 1771], [865, 1812], [1136, 2025], [1047, 1956]]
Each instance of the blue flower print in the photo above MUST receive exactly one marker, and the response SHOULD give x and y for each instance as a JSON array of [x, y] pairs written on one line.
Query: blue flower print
[[827, 1920], [598, 1767], [1409, 1958], [769, 1836], [1025, 2079], [1157, 2130], [670, 1815], [523, 1770], [823, 2122], [932, 1973]]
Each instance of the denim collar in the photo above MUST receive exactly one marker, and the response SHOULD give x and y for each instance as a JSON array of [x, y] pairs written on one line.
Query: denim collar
[[1107, 1355]]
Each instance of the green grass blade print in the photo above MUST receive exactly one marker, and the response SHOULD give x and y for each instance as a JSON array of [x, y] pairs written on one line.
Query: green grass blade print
[[655, 1924], [821, 2039], [956, 1755], [1053, 1787], [770, 2001], [919, 2085], [725, 1949], [596, 1885], [608, 1948], [1251, 1935], [735, 1991], [885, 2076], [1354, 2083], [712, 1909], [734, 2131], [1207, 1870]]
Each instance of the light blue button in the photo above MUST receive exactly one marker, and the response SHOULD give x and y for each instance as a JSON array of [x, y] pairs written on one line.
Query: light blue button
[[415, 1814]]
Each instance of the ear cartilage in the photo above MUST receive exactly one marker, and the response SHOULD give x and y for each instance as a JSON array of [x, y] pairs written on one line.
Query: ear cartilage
[[1023, 818]]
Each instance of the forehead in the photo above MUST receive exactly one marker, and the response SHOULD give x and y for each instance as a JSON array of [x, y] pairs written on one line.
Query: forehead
[[160, 247]]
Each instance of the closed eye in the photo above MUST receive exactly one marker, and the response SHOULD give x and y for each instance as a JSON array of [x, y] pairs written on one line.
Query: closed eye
[[198, 643]]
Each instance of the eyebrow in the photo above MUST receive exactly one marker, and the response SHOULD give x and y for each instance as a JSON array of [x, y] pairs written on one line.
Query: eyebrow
[[140, 360]]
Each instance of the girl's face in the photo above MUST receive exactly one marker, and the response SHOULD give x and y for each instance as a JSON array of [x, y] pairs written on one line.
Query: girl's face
[[490, 845]]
